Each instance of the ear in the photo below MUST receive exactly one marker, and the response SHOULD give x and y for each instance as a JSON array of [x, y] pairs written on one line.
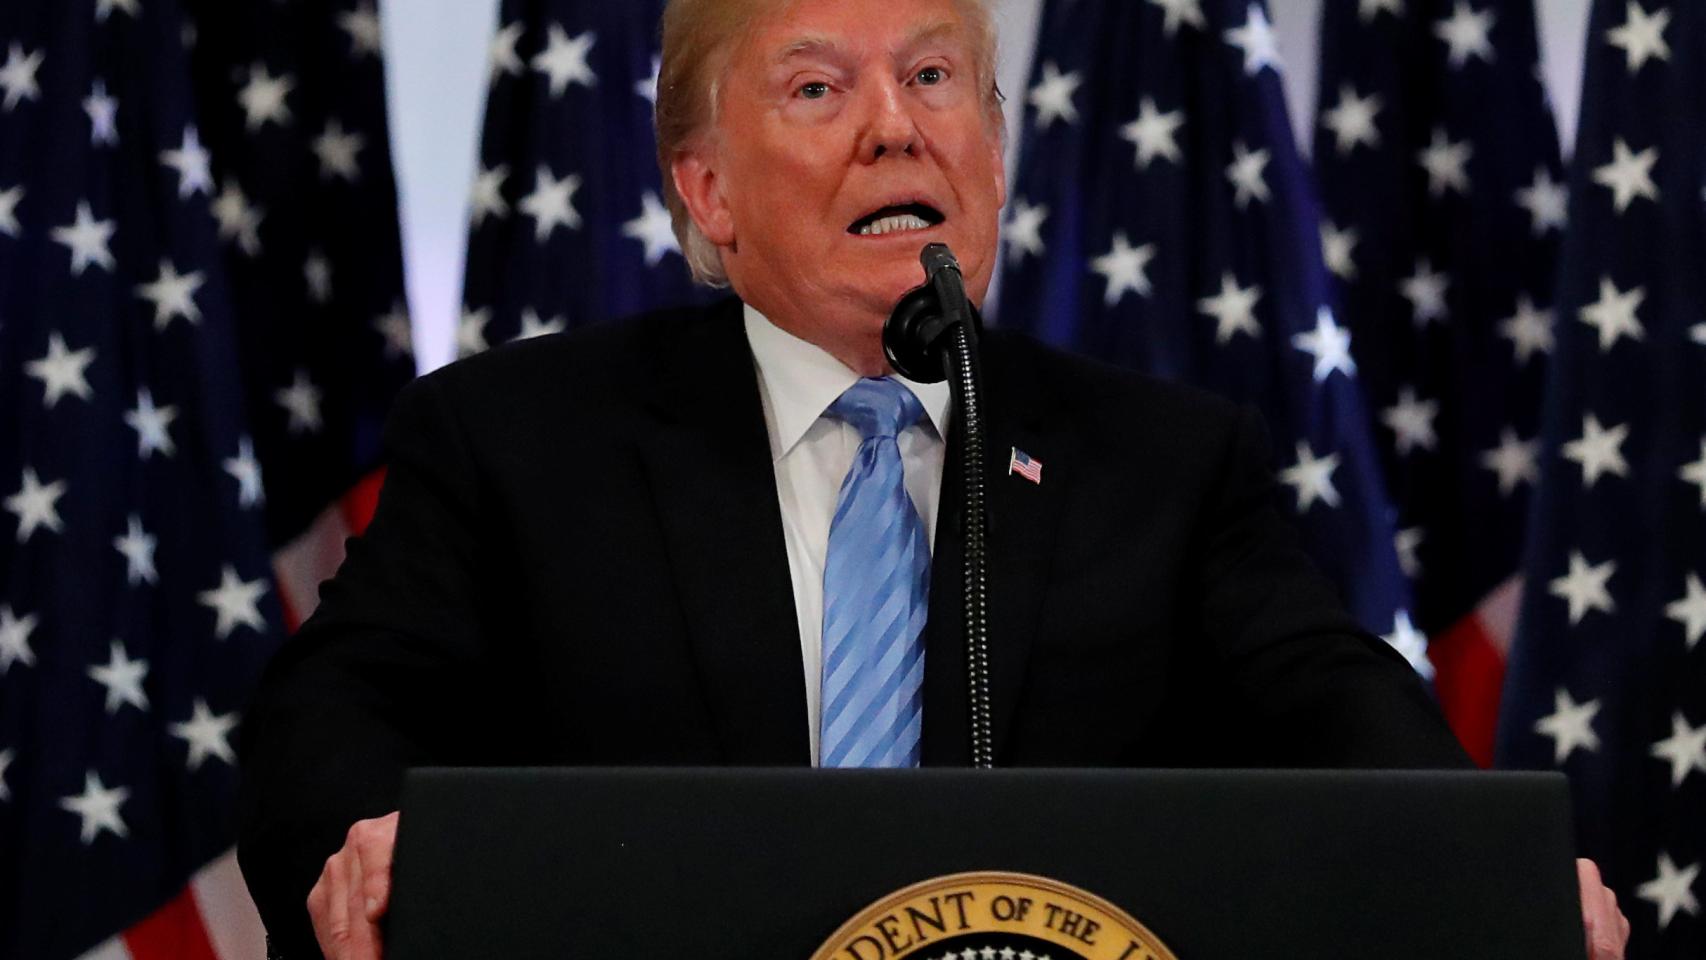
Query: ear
[[701, 189], [1000, 166]]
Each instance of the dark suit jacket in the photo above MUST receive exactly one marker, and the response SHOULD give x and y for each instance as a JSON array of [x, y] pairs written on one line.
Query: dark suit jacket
[[578, 559]]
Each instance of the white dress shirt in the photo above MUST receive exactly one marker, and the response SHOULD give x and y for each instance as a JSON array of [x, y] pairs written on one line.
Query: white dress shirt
[[812, 453]]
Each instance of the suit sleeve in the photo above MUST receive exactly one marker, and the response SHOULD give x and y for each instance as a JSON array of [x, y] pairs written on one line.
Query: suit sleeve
[[382, 677], [1316, 689]]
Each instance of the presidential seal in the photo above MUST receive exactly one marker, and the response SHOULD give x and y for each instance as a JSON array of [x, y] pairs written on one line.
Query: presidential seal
[[992, 916]]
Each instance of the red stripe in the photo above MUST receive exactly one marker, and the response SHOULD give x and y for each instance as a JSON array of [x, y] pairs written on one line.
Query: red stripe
[[1469, 679], [173, 932], [361, 500]]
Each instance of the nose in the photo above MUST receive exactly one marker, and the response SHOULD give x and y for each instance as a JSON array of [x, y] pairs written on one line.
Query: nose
[[890, 129]]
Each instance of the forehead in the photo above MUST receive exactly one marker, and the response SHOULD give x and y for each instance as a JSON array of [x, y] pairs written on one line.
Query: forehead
[[855, 27]]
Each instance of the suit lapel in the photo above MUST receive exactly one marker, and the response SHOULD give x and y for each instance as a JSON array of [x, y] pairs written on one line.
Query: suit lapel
[[715, 488]]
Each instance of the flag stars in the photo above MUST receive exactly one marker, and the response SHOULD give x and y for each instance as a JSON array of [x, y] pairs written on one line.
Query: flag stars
[[263, 98], [1529, 330], [1684, 749], [36, 505], [15, 639], [1256, 39], [1411, 421], [246, 470], [337, 151], [1329, 344], [1614, 314], [1125, 268], [1407, 543], [152, 425], [551, 204], [648, 88], [103, 115], [1233, 309], [62, 372], [9, 199], [1153, 134], [173, 295], [532, 326], [1629, 175], [1599, 451], [137, 547], [1447, 164], [653, 228], [1025, 230], [87, 239], [1547, 202], [238, 219], [487, 197], [1052, 96], [1584, 588], [123, 678], [471, 331], [1352, 121], [6, 758], [1411, 643], [1246, 175], [301, 402], [1695, 473], [1671, 891], [1641, 37], [564, 59], [1338, 249], [105, 8], [501, 54], [394, 327], [207, 734], [1312, 478], [317, 274], [235, 601], [1570, 725], [98, 807], [366, 35], [1466, 34], [1180, 13], [18, 76], [1690, 611], [1515, 460], [191, 161], [1426, 290], [1367, 10]]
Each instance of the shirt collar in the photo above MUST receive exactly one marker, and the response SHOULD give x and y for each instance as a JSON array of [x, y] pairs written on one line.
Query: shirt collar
[[801, 379]]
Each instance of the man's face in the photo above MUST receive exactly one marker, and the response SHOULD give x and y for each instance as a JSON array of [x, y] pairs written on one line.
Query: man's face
[[850, 133]]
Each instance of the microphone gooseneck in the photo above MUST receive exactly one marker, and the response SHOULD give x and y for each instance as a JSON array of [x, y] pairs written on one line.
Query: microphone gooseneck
[[931, 336]]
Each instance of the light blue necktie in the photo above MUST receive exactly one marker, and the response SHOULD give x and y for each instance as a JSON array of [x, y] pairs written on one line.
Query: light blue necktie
[[876, 585]]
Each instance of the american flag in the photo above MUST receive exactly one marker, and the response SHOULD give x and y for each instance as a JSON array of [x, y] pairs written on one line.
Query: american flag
[[567, 221], [1161, 218], [200, 329], [1608, 674], [1021, 463], [1444, 198]]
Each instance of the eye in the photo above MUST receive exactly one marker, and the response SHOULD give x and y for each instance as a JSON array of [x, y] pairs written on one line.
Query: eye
[[816, 90], [931, 76]]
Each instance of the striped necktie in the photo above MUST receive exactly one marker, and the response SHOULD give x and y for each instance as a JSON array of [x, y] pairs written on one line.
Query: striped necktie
[[876, 584]]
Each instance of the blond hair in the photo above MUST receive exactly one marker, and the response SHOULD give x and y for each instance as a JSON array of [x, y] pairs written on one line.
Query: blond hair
[[699, 36]]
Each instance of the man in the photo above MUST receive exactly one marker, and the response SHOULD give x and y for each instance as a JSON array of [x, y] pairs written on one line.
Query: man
[[705, 537]]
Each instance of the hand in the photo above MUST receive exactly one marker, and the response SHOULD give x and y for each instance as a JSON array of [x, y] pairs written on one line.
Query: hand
[[354, 890], [1607, 928]]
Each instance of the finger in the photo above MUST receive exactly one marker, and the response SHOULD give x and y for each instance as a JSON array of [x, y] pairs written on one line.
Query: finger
[[363, 935], [377, 845], [332, 927]]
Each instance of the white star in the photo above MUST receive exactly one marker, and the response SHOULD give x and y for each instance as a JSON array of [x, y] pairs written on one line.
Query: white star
[[263, 98], [532, 326], [137, 545], [366, 35], [1671, 891], [36, 505], [648, 87], [104, 9], [1233, 308], [1614, 314], [238, 220], [87, 239], [487, 197], [207, 734], [1338, 248], [1369, 9], [62, 371], [1426, 290], [1466, 33], [1584, 587], [103, 115], [1570, 725], [9, 211], [1685, 748], [123, 678], [1052, 96], [302, 401], [1245, 173], [1515, 460], [152, 425], [1598, 450], [98, 806], [1352, 121], [317, 273], [1628, 175], [1256, 39], [1152, 133], [336, 150], [191, 161], [502, 50], [173, 295], [1690, 612], [1641, 37], [1547, 202], [1329, 344], [1025, 230], [1446, 164], [1187, 12], [1312, 478], [1124, 268], [235, 601], [247, 472], [1696, 473], [1529, 330], [564, 59], [15, 639], [1697, 333], [18, 76], [1411, 421], [1410, 642], [6, 757], [552, 203], [654, 228], [471, 331], [1406, 543], [398, 332]]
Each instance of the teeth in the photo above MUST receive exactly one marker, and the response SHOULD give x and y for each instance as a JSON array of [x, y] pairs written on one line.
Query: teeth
[[905, 221]]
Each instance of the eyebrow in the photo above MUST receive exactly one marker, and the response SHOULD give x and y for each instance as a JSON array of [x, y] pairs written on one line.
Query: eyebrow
[[822, 46]]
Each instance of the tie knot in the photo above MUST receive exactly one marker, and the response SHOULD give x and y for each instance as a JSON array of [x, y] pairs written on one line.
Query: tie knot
[[877, 408]]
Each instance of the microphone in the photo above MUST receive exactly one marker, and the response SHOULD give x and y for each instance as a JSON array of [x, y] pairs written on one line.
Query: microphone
[[916, 337]]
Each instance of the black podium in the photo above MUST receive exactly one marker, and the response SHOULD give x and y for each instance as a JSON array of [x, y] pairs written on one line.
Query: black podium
[[769, 864]]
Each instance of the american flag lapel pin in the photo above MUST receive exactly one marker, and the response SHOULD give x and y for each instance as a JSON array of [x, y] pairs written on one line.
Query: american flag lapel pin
[[1022, 464]]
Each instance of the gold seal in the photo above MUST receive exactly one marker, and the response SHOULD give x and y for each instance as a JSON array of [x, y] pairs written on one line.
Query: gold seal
[[991, 915]]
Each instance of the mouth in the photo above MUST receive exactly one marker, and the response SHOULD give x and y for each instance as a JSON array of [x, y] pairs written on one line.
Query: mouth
[[897, 218]]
